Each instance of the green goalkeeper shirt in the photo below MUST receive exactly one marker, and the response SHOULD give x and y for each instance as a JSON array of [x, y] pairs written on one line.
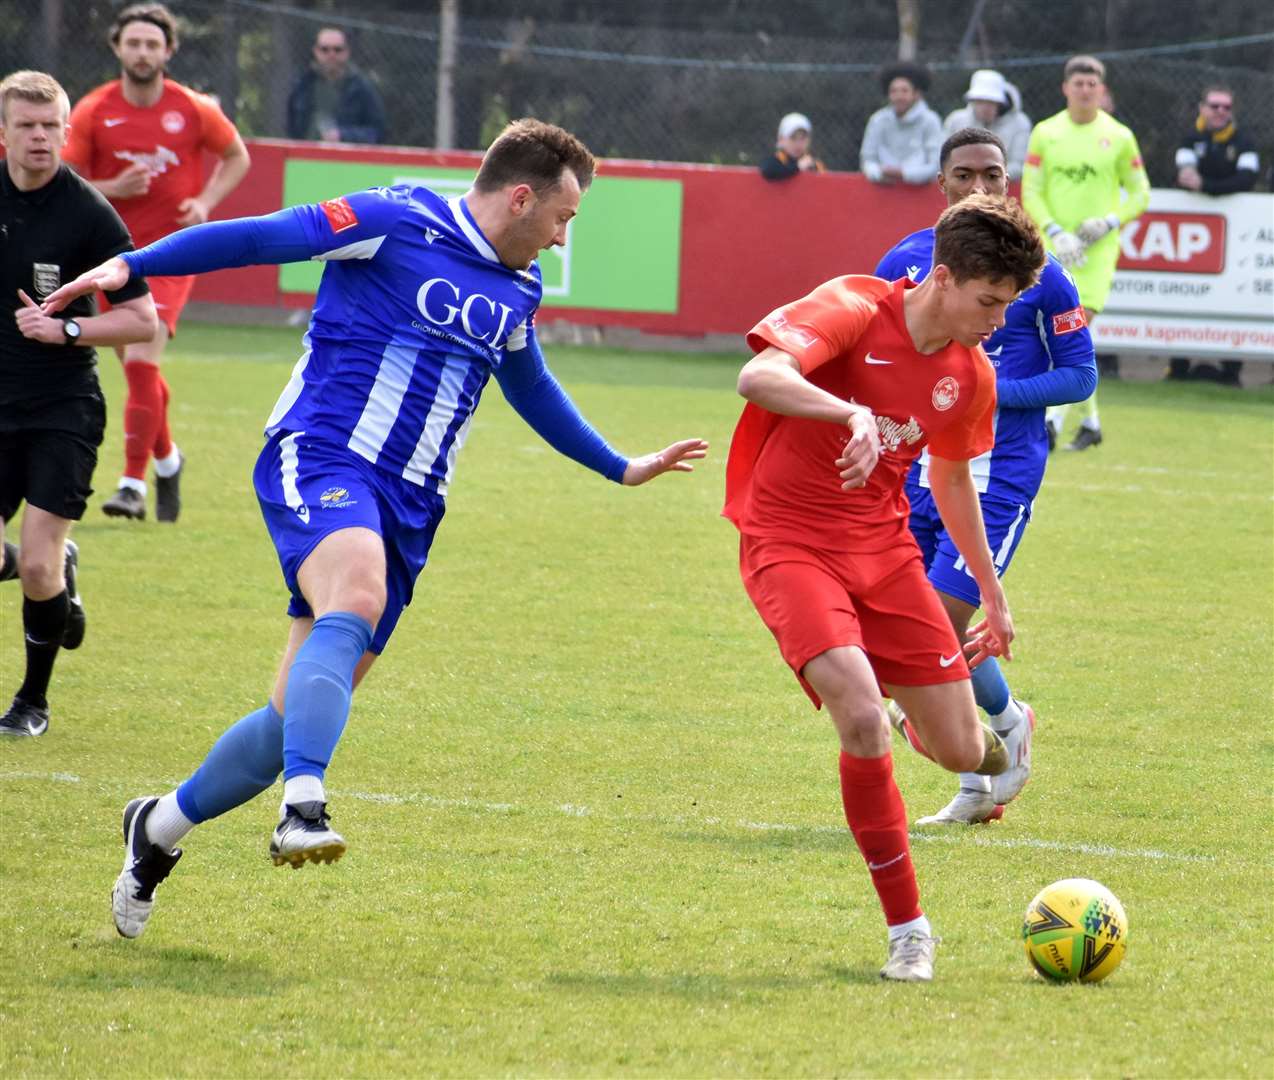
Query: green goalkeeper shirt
[[1075, 171]]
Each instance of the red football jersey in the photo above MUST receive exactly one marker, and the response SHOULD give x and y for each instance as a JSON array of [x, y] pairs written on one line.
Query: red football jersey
[[850, 338], [108, 134]]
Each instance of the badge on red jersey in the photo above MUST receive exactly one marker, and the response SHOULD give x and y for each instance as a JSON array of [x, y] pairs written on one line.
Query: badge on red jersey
[[945, 393], [1069, 321], [802, 339], [340, 215]]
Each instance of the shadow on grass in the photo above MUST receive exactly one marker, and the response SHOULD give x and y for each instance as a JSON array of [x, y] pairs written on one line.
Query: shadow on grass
[[694, 986], [123, 966]]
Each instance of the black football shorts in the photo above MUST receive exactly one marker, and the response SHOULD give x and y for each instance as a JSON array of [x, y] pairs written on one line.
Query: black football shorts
[[48, 454]]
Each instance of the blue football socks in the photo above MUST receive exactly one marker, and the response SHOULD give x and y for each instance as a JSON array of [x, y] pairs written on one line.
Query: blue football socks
[[320, 682], [241, 764], [990, 689]]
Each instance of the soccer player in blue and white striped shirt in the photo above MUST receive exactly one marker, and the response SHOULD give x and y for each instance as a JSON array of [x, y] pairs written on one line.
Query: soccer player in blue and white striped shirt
[[422, 301]]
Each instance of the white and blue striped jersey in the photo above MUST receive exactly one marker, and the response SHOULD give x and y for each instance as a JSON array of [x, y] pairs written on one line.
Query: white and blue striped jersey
[[1043, 355], [413, 315]]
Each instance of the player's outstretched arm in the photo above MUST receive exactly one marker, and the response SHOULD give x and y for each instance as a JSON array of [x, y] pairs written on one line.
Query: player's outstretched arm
[[291, 235], [111, 275], [956, 498], [539, 399], [674, 458]]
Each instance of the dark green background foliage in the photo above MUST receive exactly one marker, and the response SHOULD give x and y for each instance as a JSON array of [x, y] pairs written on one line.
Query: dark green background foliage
[[695, 82]]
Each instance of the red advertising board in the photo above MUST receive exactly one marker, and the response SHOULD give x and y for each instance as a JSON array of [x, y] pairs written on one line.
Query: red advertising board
[[1174, 242], [748, 245], [1192, 265]]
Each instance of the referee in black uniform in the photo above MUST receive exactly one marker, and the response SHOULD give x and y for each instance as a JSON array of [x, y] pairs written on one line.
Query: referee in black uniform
[[53, 227]]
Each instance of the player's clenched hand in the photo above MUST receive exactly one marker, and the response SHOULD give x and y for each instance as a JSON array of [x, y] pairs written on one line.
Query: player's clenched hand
[[192, 212], [131, 183], [111, 275], [861, 452], [675, 458], [992, 636]]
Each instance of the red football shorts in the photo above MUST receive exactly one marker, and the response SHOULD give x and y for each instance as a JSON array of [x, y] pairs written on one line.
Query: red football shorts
[[170, 295], [881, 601]]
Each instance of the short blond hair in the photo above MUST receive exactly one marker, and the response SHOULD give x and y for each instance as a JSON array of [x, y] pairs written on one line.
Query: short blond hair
[[33, 86]]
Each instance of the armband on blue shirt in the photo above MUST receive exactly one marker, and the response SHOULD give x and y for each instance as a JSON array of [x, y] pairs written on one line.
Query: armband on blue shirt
[[539, 399]]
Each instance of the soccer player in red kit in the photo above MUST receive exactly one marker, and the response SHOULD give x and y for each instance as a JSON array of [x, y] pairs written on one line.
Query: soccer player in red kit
[[140, 141], [847, 386]]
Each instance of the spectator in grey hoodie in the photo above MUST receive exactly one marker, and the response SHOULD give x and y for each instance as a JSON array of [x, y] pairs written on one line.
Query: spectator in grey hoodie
[[995, 105], [902, 140]]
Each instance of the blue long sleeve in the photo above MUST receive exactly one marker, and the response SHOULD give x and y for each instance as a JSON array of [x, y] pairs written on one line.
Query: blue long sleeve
[[280, 237], [1061, 386], [539, 399]]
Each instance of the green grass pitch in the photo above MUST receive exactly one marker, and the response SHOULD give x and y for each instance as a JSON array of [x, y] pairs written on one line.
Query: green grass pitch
[[595, 827]]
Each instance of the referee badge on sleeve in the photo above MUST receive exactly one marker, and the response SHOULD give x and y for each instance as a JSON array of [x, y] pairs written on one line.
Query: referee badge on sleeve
[[47, 278]]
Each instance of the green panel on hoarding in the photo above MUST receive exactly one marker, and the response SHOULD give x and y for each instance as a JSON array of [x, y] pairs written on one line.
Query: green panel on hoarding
[[623, 251]]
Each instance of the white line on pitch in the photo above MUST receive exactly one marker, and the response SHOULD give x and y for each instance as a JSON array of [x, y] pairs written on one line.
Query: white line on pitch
[[576, 810], [950, 837]]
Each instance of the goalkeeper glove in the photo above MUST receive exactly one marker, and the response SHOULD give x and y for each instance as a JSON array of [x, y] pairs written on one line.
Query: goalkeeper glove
[[1094, 228], [1067, 246]]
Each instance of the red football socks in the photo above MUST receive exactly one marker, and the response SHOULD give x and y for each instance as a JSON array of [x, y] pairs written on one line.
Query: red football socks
[[878, 820], [163, 445], [145, 418]]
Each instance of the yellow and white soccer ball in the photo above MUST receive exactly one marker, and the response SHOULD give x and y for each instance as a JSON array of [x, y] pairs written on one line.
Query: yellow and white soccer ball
[[1075, 929]]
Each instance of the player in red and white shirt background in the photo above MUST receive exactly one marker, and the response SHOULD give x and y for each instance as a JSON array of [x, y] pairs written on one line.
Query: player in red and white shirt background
[[140, 140], [848, 384]]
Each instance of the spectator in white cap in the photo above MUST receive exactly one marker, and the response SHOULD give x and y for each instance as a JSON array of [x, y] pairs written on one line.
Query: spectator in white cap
[[902, 140], [791, 153], [994, 104]]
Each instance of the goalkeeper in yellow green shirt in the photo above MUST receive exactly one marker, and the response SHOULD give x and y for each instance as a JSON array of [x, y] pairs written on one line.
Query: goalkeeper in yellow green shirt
[[1083, 180]]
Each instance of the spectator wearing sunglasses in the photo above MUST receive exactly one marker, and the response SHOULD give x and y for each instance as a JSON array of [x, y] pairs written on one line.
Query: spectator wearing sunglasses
[[1215, 158], [333, 101]]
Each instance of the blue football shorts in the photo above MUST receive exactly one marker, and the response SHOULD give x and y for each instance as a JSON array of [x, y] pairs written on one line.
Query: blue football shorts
[[1005, 523], [309, 488]]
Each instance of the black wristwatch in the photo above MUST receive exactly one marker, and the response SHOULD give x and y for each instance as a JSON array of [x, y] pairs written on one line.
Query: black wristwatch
[[71, 331]]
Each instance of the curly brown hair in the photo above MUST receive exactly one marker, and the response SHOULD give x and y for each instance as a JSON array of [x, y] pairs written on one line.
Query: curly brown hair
[[533, 152], [155, 14], [991, 238]]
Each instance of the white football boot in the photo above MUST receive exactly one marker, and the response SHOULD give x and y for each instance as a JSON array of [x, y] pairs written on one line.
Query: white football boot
[[969, 807], [303, 835], [145, 866], [911, 958], [1009, 784]]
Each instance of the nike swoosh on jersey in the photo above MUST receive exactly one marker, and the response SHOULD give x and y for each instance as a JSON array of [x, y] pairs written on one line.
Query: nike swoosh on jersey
[[876, 360], [947, 661], [115, 121]]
